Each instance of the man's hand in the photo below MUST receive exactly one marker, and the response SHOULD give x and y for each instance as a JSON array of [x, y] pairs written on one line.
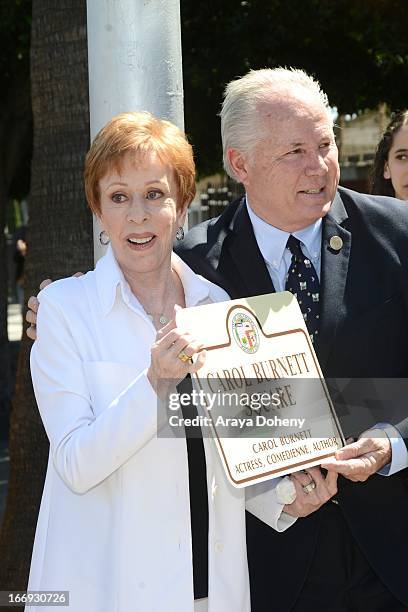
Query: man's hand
[[33, 305], [31, 314], [306, 503], [359, 460]]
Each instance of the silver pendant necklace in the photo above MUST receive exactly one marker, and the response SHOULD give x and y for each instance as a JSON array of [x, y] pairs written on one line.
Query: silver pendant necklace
[[162, 317]]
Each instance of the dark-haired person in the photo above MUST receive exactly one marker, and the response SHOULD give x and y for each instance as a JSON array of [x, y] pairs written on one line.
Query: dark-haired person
[[390, 169]]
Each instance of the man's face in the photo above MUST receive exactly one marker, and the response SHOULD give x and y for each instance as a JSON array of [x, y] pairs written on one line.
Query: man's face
[[292, 174]]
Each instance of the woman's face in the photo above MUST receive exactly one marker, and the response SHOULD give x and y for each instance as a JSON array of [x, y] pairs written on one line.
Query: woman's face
[[396, 168], [139, 213]]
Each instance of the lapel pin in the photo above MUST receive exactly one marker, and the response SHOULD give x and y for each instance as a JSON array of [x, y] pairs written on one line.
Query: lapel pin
[[336, 243]]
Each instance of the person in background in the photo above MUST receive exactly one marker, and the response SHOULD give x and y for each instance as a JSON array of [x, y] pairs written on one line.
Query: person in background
[[390, 169], [20, 252]]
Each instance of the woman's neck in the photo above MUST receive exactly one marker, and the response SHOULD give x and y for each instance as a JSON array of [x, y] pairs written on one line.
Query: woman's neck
[[158, 292]]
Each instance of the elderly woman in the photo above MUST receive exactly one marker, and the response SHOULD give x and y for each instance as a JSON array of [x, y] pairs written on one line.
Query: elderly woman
[[390, 169], [115, 526]]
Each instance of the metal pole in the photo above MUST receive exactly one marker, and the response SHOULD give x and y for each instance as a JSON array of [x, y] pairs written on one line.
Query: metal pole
[[134, 63]]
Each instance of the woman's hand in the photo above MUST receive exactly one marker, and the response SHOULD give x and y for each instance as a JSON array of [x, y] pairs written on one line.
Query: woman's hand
[[167, 368]]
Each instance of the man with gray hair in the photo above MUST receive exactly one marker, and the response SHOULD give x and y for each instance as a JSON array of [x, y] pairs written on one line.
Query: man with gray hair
[[278, 141]]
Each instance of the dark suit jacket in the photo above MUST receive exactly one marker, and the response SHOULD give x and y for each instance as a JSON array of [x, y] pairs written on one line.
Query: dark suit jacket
[[363, 338]]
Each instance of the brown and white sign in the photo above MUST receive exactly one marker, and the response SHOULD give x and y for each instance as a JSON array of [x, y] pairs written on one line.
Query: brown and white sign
[[261, 388]]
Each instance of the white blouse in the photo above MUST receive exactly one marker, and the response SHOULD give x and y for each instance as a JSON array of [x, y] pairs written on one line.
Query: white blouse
[[114, 524]]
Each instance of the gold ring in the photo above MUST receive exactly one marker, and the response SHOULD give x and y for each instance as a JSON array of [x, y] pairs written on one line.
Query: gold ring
[[183, 356], [309, 487]]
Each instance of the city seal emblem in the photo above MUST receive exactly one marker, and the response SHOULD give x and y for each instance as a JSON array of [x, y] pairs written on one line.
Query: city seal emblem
[[245, 332]]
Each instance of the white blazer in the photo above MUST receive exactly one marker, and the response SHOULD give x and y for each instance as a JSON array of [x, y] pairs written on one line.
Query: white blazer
[[114, 524]]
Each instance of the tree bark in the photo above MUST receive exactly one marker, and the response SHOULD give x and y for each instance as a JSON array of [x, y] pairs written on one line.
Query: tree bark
[[60, 243]]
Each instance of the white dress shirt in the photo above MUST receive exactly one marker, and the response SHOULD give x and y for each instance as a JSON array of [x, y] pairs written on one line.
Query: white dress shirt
[[114, 524], [272, 244]]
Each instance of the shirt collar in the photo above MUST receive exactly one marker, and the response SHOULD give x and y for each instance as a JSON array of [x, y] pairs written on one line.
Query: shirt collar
[[112, 285], [196, 289], [272, 240], [110, 281]]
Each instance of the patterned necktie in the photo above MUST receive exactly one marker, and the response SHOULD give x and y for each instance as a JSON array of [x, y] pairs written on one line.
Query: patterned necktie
[[303, 282]]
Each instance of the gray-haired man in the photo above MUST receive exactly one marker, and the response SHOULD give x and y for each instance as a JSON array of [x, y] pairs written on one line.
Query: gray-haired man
[[279, 143]]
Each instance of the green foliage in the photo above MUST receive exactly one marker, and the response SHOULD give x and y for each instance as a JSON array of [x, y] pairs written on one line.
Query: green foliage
[[14, 218], [15, 26], [15, 110], [356, 48]]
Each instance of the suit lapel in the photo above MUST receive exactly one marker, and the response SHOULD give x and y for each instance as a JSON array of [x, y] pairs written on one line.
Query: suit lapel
[[247, 259], [249, 267], [334, 268]]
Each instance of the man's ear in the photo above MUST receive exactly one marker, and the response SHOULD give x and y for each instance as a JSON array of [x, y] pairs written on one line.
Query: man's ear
[[386, 173], [238, 164]]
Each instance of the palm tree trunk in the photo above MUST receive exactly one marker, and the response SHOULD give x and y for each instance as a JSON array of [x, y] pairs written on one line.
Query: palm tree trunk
[[60, 243]]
